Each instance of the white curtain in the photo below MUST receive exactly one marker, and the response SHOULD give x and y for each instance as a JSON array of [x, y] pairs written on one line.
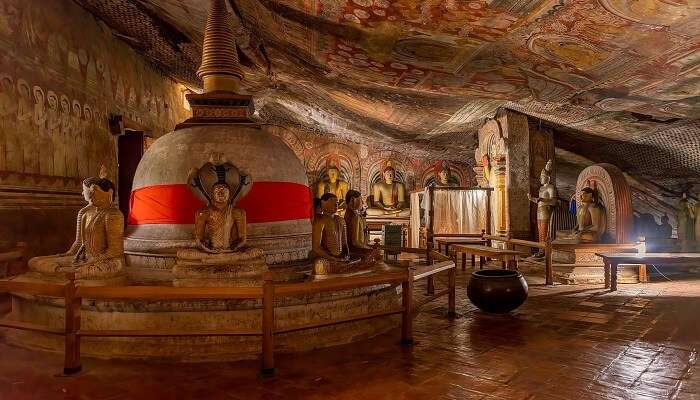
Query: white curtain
[[459, 211], [416, 222]]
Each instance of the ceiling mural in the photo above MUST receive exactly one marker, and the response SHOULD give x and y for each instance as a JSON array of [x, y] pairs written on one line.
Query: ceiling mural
[[421, 76]]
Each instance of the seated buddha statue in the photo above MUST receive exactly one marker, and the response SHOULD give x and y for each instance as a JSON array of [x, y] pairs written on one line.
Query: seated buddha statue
[[330, 252], [358, 239], [333, 184], [590, 219], [219, 254], [388, 196], [97, 254]]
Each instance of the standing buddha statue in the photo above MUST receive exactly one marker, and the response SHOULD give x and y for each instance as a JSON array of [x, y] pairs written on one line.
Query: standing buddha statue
[[685, 218], [546, 201]]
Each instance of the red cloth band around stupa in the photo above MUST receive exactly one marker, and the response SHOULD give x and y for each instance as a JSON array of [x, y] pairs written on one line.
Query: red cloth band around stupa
[[176, 204]]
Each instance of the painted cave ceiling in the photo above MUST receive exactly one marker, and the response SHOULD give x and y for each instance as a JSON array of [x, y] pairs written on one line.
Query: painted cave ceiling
[[620, 78]]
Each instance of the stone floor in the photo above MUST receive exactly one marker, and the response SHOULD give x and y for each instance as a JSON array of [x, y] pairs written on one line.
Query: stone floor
[[566, 342]]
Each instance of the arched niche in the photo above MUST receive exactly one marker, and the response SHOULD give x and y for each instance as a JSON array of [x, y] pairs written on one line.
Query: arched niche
[[375, 165], [347, 160], [614, 192], [459, 174]]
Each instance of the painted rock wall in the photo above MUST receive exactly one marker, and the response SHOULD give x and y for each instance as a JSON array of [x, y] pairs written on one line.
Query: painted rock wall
[[62, 73]]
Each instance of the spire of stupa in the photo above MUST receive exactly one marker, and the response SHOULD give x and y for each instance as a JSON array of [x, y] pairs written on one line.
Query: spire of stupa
[[220, 70]]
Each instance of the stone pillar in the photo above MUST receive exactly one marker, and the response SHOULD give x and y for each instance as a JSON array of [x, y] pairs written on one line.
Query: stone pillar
[[506, 163]]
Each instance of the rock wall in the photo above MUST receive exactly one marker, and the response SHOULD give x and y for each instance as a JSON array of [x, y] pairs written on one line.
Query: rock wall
[[62, 74]]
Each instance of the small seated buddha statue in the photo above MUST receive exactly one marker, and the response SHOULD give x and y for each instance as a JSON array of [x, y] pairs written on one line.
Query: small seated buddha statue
[[97, 254], [330, 252], [388, 196], [333, 184], [219, 255], [590, 219]]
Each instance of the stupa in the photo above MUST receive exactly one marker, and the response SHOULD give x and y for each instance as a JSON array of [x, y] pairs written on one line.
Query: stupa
[[163, 211], [278, 205]]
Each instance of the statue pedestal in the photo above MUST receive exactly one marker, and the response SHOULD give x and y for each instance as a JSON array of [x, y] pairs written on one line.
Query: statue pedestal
[[581, 265], [185, 275], [194, 268]]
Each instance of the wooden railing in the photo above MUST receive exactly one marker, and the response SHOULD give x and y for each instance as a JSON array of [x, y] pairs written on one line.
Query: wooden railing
[[269, 292]]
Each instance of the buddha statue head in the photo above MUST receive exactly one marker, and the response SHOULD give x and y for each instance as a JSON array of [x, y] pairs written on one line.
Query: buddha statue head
[[102, 192], [87, 185], [545, 175], [389, 174], [353, 199], [329, 203], [588, 196], [332, 173], [221, 193]]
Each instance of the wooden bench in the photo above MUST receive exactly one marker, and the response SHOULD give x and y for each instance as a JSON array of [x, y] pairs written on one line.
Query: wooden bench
[[612, 260], [447, 241], [508, 258]]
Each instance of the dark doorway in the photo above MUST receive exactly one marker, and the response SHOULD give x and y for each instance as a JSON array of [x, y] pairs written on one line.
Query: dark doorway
[[131, 147]]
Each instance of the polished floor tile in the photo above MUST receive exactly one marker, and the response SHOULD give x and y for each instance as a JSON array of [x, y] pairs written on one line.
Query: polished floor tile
[[565, 342]]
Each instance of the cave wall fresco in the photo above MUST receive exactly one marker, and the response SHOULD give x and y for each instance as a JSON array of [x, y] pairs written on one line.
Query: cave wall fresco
[[62, 74], [361, 164]]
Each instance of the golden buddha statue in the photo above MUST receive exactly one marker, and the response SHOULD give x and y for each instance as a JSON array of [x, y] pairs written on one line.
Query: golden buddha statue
[[333, 184], [219, 250], [590, 219], [330, 252], [98, 250], [389, 196]]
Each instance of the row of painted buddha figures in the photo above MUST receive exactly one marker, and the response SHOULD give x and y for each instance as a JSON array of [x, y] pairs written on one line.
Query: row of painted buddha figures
[[219, 249]]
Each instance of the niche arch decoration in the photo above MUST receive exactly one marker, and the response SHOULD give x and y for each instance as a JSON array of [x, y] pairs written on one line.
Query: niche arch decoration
[[338, 154], [614, 192], [373, 164], [459, 175]]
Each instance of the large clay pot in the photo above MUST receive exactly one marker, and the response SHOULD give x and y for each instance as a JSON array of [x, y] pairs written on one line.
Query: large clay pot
[[497, 290]]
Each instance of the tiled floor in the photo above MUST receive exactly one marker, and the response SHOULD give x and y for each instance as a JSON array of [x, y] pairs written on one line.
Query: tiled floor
[[566, 342]]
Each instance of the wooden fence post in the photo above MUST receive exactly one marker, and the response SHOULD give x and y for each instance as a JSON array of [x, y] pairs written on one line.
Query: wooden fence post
[[73, 304], [268, 326], [452, 295], [548, 268], [407, 303]]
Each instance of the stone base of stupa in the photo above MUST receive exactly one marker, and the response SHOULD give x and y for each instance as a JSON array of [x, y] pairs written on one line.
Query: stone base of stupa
[[207, 315], [192, 275]]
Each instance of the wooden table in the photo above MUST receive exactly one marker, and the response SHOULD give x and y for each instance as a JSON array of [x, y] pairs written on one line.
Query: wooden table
[[506, 256], [447, 241], [612, 260]]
